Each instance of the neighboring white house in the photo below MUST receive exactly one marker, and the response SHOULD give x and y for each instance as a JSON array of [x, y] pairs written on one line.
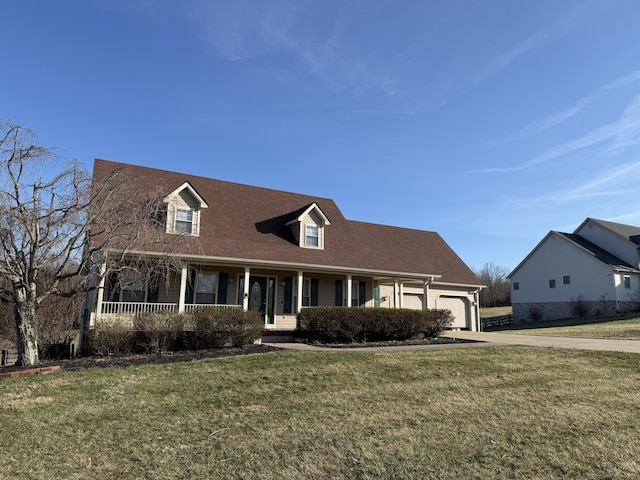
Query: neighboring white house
[[277, 252], [592, 271]]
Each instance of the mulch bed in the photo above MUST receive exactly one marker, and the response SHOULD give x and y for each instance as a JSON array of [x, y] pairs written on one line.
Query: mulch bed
[[392, 343], [83, 363]]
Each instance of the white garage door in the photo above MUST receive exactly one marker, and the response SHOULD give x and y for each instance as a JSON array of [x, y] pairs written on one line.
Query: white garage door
[[412, 301], [458, 309]]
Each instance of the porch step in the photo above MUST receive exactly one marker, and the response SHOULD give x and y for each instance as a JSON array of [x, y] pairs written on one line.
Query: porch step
[[274, 336]]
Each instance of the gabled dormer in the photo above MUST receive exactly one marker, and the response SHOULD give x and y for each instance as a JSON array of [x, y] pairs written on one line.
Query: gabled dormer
[[184, 205], [308, 227]]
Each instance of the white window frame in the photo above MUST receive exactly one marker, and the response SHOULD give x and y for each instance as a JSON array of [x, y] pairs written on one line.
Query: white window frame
[[199, 284], [190, 212], [626, 281], [306, 292], [355, 294], [133, 281], [310, 239]]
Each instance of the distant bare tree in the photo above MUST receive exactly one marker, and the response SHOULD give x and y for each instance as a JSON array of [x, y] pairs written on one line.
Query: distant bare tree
[[55, 226], [496, 292]]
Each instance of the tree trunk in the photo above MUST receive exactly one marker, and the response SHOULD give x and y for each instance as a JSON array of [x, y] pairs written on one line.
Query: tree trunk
[[25, 314]]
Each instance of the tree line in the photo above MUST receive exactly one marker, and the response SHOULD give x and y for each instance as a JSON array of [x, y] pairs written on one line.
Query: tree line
[[497, 292]]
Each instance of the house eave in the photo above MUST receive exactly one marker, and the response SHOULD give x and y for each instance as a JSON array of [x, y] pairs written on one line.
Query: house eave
[[284, 265]]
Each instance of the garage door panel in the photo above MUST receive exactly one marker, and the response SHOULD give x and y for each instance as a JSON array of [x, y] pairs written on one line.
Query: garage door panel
[[458, 309]]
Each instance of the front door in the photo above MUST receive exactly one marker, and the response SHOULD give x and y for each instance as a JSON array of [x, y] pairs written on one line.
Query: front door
[[261, 296]]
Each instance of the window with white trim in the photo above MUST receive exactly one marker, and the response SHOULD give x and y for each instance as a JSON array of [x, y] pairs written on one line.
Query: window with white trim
[[184, 220], [306, 292], [133, 285], [627, 281], [312, 236], [355, 294], [206, 288]]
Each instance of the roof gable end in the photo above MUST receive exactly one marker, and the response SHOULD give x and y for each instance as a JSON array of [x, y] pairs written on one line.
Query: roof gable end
[[311, 208], [192, 191]]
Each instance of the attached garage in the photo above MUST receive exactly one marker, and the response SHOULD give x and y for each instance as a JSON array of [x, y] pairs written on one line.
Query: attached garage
[[459, 310]]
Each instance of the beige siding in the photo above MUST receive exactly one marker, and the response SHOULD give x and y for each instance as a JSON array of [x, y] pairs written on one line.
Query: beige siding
[[326, 292], [168, 293]]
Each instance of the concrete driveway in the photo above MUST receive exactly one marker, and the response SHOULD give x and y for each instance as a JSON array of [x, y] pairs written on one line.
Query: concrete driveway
[[607, 345]]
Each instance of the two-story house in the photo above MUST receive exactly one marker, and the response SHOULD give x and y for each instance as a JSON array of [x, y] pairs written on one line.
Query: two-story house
[[277, 252], [595, 270]]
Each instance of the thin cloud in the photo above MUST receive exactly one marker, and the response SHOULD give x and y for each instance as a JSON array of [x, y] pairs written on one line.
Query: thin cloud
[[624, 133], [619, 180], [503, 61], [560, 117], [241, 31]]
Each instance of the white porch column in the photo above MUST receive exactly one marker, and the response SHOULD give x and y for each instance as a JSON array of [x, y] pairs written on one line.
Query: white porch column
[[396, 291], [183, 288], [425, 296], [299, 301], [100, 296], [401, 294], [349, 290], [476, 302], [245, 294]]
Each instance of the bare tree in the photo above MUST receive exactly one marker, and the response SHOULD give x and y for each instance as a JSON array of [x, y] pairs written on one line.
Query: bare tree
[[55, 227], [496, 292]]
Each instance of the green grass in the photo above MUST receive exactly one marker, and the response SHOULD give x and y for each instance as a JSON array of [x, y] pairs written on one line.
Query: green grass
[[625, 327], [491, 312], [491, 412]]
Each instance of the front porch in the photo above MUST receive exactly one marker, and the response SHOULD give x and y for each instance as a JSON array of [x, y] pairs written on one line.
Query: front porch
[[277, 295]]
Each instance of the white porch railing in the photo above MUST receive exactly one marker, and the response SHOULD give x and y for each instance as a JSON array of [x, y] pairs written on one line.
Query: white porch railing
[[137, 308], [188, 308]]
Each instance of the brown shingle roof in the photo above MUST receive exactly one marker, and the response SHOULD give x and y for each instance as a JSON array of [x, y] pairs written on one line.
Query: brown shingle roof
[[247, 222]]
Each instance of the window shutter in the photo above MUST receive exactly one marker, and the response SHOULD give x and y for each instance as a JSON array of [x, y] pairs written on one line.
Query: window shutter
[[361, 293], [376, 296], [113, 287], [288, 288], [339, 293], [153, 287], [314, 292], [222, 289]]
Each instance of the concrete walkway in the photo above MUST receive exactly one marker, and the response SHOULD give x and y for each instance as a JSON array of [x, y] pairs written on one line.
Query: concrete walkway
[[605, 345], [484, 339]]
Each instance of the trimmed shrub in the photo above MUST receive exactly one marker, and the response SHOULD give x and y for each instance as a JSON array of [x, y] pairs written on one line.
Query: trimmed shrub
[[355, 324], [218, 327], [157, 333], [110, 338]]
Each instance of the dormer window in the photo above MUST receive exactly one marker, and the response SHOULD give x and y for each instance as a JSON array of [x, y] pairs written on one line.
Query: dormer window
[[312, 236], [184, 206], [308, 226], [184, 221]]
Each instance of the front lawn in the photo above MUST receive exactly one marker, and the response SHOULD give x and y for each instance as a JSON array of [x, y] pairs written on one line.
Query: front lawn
[[493, 412], [625, 327]]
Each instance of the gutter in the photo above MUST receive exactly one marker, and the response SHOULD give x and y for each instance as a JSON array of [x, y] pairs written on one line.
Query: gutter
[[309, 267]]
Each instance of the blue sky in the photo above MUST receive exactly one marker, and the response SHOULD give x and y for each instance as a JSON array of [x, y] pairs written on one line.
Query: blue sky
[[490, 122]]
